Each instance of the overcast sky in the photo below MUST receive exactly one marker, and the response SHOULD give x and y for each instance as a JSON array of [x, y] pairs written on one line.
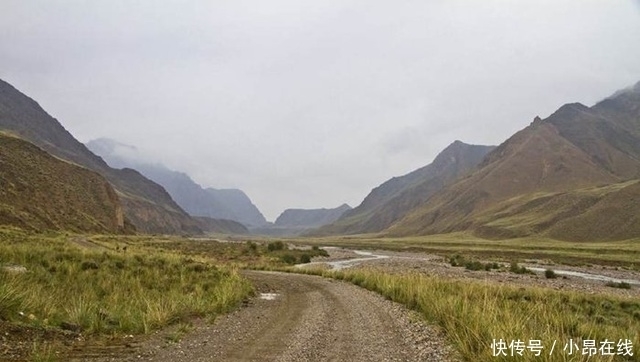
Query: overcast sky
[[310, 104]]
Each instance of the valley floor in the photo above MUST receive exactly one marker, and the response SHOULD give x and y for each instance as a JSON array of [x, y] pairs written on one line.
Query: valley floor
[[595, 278], [296, 317]]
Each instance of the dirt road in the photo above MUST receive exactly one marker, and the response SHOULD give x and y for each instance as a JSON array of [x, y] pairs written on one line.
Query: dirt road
[[310, 319]]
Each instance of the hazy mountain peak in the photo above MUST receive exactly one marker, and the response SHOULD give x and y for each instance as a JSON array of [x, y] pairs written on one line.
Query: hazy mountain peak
[[528, 184], [229, 204], [310, 218], [396, 197]]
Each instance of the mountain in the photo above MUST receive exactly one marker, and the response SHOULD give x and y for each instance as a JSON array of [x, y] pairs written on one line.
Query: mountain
[[293, 222], [145, 204], [229, 204], [302, 218], [221, 226], [42, 193], [557, 177], [396, 197]]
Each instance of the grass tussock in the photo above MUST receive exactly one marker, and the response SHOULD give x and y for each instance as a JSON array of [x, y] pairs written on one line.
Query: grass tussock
[[473, 314], [620, 285], [102, 291]]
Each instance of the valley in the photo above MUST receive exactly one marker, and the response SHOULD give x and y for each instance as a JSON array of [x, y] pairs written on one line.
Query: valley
[[271, 315], [466, 252]]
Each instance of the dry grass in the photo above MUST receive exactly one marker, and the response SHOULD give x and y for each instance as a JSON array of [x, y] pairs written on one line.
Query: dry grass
[[473, 314], [104, 292]]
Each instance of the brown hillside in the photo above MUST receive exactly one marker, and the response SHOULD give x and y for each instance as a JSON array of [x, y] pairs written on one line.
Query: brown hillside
[[577, 147], [596, 213], [221, 226], [40, 192], [395, 198], [146, 204]]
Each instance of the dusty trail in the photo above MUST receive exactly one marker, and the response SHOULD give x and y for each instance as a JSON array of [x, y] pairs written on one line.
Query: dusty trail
[[311, 319]]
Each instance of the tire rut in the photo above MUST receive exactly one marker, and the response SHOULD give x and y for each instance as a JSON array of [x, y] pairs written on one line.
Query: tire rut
[[312, 319]]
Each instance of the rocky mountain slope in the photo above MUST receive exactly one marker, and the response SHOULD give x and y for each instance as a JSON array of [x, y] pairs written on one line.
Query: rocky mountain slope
[[146, 204], [221, 226], [310, 218], [229, 204], [398, 196], [542, 179], [42, 193], [294, 222]]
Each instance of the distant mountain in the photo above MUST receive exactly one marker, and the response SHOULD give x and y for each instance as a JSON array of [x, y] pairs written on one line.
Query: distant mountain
[[294, 222], [229, 204], [146, 204], [558, 177], [310, 218], [39, 192], [221, 226], [398, 196]]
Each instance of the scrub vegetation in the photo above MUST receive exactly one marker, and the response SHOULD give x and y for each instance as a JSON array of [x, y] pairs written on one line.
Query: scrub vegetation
[[115, 285], [50, 282], [473, 314], [624, 254]]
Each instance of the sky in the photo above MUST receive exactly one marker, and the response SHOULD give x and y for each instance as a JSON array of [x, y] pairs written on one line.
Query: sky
[[311, 104]]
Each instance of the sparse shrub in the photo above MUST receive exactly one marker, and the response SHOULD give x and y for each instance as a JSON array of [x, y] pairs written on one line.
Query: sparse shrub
[[456, 260], [305, 258], [276, 245], [550, 274], [621, 285], [317, 251], [253, 247], [459, 260], [474, 265], [288, 259], [517, 269]]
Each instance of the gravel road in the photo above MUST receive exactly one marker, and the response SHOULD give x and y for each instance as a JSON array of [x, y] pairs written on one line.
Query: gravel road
[[310, 319]]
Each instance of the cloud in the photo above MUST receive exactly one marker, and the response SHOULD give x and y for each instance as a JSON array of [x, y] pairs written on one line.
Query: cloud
[[312, 104]]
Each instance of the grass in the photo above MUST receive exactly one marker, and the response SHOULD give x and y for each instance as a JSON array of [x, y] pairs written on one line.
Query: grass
[[105, 292], [163, 281], [43, 352], [473, 313]]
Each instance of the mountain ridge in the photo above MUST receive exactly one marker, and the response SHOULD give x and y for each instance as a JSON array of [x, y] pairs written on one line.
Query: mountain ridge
[[396, 197], [146, 205], [43, 193], [309, 218], [226, 204], [576, 147]]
